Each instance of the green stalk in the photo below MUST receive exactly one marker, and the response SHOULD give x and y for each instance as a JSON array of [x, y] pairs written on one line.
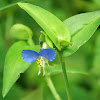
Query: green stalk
[[65, 78], [30, 42], [52, 88], [9, 22]]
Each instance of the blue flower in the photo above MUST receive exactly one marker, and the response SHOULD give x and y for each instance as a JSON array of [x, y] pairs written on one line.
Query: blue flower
[[45, 54]]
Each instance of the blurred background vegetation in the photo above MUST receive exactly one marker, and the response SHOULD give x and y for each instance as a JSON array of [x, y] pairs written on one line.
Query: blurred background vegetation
[[31, 87]]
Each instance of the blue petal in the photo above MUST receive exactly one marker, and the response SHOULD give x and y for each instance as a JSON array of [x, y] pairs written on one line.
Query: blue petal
[[49, 54], [29, 55]]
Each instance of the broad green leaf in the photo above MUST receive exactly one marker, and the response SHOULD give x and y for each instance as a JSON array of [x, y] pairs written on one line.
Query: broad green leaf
[[14, 65], [20, 32], [52, 70], [77, 22], [54, 28], [81, 27]]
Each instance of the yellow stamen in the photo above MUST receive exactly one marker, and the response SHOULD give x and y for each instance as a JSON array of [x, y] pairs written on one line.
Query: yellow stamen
[[41, 65], [39, 61]]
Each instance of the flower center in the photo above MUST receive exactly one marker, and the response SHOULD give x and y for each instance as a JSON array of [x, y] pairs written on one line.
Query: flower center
[[41, 63]]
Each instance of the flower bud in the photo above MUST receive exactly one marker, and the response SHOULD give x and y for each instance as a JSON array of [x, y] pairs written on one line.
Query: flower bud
[[20, 32]]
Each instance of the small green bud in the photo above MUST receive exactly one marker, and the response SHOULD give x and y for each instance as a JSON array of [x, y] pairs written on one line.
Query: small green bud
[[65, 43], [42, 37], [20, 32]]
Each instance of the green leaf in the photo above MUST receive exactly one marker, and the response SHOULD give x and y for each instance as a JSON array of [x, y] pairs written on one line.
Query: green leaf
[[81, 27], [77, 22], [20, 32], [54, 28], [14, 65], [52, 70]]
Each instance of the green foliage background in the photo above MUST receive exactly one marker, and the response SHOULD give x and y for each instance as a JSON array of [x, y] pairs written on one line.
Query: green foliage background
[[87, 58]]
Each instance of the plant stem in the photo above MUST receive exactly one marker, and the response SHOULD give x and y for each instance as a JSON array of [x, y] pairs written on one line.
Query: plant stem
[[52, 88], [9, 22], [30, 41], [65, 78]]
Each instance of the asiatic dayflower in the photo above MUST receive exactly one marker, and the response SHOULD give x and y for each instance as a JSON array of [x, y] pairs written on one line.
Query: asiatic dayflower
[[42, 57]]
